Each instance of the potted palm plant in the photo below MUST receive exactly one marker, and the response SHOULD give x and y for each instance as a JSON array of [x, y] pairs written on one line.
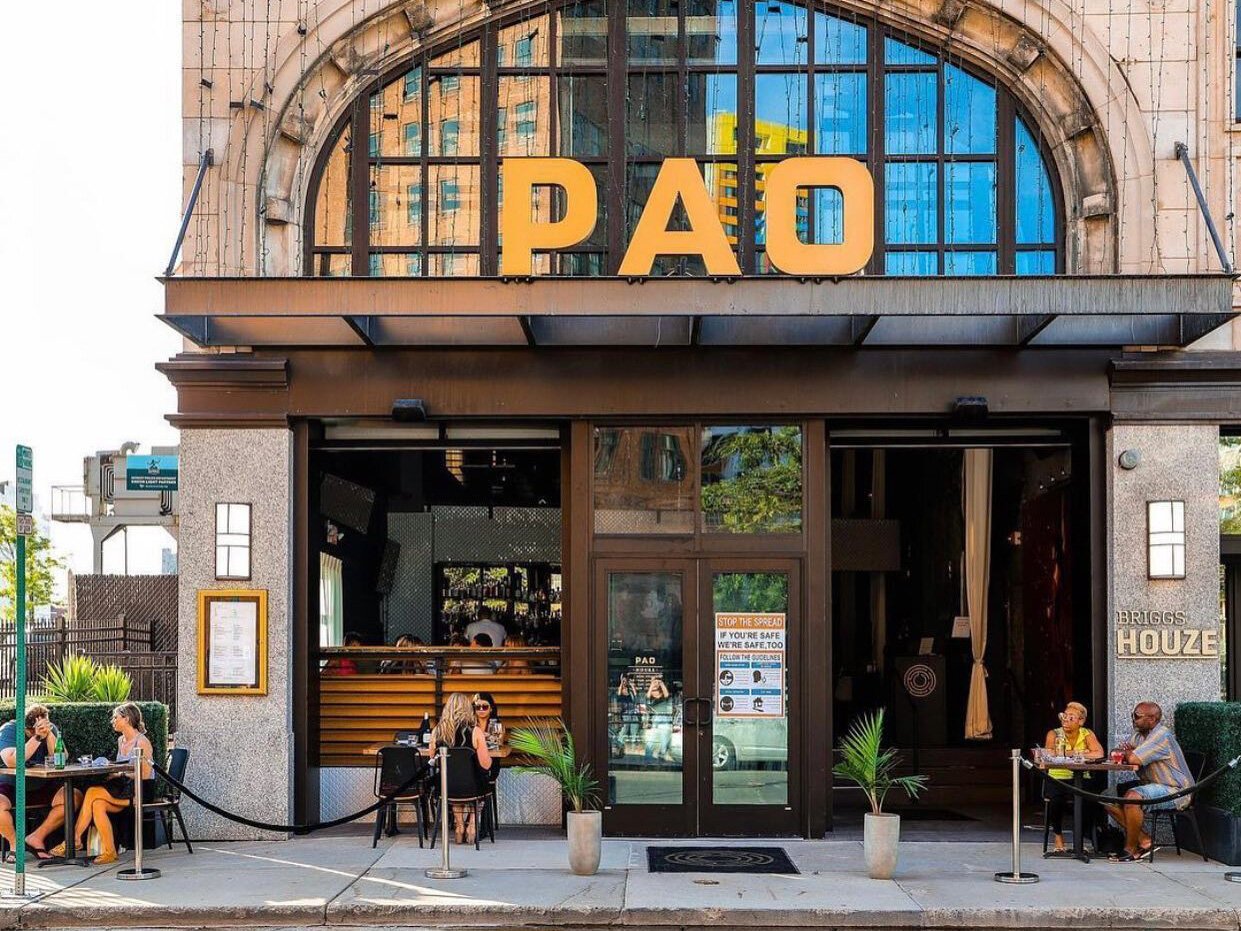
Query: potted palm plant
[[864, 761], [550, 751]]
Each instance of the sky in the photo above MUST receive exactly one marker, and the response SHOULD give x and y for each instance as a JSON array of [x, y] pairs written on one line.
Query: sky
[[90, 189]]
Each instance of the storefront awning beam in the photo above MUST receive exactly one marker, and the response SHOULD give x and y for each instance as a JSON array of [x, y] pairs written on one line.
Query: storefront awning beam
[[1012, 312], [857, 296]]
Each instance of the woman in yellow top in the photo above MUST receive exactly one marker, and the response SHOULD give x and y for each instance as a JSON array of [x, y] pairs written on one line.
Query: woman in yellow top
[[1070, 738]]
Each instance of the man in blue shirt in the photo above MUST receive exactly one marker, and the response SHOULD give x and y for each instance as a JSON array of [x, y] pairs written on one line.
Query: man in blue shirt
[[39, 745]]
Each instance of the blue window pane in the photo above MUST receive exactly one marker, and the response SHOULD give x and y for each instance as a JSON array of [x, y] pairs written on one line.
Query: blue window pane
[[413, 200], [1036, 263], [840, 114], [413, 84], [780, 114], [829, 216], [911, 202], [711, 32], [898, 53], [780, 33], [969, 195], [969, 263], [911, 263], [1036, 212], [413, 265], [969, 114], [910, 100], [413, 138], [838, 41]]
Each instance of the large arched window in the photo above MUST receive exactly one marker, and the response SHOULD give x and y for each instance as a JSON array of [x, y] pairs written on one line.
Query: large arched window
[[409, 185]]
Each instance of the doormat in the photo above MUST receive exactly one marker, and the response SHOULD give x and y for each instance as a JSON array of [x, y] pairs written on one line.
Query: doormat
[[718, 860], [929, 814]]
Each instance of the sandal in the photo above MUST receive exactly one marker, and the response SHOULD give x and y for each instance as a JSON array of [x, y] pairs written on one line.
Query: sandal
[[58, 850], [104, 859], [39, 853]]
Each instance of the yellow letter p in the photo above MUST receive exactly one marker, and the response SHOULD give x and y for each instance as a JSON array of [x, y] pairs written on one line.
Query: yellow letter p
[[521, 235]]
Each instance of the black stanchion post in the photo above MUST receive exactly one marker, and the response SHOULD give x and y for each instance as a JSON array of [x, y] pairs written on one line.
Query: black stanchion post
[[138, 871], [1015, 876], [444, 870]]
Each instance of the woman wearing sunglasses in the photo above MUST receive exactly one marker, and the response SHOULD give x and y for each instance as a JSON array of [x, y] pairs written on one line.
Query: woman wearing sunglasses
[[487, 714]]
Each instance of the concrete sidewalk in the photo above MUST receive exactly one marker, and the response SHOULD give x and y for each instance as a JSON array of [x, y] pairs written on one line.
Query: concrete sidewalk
[[525, 883]]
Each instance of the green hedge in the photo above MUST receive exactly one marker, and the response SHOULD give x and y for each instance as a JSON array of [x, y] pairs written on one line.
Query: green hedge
[[87, 726], [1213, 728]]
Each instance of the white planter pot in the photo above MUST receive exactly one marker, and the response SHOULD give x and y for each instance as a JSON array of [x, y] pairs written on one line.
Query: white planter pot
[[881, 834], [585, 841]]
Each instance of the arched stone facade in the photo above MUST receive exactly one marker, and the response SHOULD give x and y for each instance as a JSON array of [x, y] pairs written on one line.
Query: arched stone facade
[[267, 142]]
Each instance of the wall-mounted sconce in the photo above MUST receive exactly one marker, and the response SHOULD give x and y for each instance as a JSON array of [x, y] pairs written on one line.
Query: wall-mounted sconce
[[1165, 539]]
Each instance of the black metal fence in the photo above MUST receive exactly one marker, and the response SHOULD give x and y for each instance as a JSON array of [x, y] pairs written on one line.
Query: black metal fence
[[119, 641]]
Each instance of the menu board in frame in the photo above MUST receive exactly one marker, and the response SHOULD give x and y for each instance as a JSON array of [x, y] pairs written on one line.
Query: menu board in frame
[[232, 642]]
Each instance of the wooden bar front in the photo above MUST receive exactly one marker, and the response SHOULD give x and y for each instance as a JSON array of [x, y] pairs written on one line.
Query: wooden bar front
[[357, 710]]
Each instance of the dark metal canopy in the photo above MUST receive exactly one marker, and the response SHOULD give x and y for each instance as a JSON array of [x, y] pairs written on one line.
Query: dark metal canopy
[[1036, 312]]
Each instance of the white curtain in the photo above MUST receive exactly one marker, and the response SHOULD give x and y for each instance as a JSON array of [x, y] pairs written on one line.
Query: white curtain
[[331, 602], [977, 506]]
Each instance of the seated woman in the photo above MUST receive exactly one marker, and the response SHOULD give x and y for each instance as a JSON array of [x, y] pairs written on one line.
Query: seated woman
[[487, 715], [1071, 737], [116, 795], [457, 727]]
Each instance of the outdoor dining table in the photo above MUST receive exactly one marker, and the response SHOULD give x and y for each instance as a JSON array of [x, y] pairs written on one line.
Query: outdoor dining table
[[499, 753], [68, 774], [1079, 771]]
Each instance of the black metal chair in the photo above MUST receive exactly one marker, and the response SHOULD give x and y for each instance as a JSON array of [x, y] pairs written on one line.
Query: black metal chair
[[466, 786], [1197, 763], [166, 806], [394, 767]]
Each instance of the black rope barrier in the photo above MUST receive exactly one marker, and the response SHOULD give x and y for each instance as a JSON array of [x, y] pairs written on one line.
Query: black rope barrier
[[299, 829], [1118, 800]]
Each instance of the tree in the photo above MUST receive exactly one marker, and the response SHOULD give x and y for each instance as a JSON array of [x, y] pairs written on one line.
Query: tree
[[1230, 485], [41, 567], [751, 480]]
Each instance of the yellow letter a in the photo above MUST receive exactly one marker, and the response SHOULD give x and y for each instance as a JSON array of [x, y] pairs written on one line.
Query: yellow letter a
[[679, 177]]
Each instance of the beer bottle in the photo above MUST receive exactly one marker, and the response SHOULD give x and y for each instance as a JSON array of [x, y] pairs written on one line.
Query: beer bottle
[[59, 756]]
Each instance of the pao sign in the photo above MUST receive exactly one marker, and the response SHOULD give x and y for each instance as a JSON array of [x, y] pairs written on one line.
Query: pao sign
[[680, 180]]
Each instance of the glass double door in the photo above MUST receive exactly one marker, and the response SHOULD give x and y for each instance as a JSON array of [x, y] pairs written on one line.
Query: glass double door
[[699, 697]]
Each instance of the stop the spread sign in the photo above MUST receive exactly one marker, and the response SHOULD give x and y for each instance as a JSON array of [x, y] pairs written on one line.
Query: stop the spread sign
[[749, 665]]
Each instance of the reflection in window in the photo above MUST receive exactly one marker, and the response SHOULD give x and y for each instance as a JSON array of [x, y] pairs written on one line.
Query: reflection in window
[[953, 178], [751, 479], [642, 480]]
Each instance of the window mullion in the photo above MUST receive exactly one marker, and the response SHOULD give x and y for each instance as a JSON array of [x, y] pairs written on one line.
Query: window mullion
[[745, 135], [1005, 184], [360, 182], [489, 166]]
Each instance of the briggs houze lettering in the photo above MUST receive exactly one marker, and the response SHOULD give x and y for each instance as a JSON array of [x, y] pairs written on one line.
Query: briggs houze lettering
[[1150, 634], [679, 180]]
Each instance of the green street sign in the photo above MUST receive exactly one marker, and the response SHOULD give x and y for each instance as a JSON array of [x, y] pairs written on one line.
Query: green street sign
[[25, 474]]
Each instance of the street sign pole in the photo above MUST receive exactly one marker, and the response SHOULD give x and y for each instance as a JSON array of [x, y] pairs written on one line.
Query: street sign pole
[[25, 505]]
